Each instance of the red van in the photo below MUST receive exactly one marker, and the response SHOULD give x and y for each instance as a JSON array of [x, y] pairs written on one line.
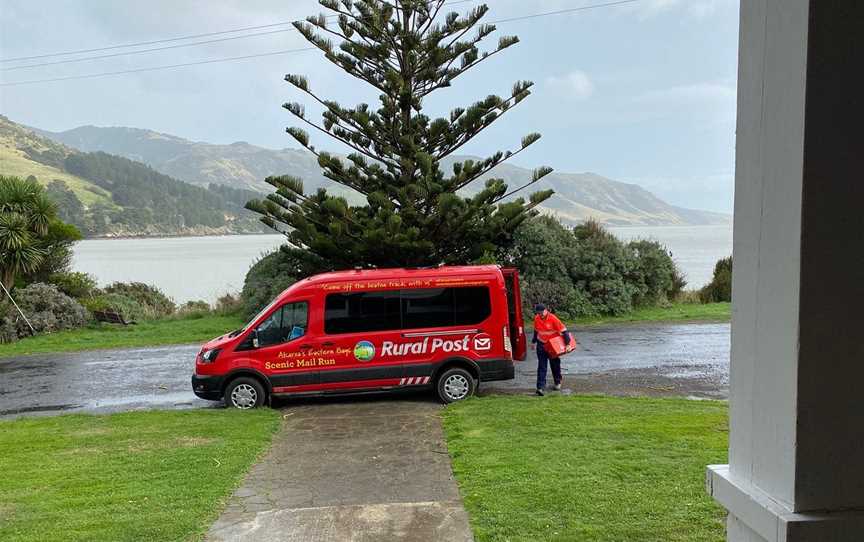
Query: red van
[[445, 328]]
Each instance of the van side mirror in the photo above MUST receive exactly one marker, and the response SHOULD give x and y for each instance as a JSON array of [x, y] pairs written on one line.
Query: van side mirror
[[255, 338]]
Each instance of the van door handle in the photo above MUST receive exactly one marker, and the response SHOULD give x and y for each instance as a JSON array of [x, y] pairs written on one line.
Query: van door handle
[[305, 346], [328, 343]]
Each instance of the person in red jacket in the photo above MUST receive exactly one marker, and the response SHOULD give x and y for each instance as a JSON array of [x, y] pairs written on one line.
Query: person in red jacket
[[546, 327]]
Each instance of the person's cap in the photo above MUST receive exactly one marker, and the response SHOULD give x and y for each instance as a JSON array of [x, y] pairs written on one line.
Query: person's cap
[[539, 308]]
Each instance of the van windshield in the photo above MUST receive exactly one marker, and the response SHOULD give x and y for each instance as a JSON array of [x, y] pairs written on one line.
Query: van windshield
[[261, 313]]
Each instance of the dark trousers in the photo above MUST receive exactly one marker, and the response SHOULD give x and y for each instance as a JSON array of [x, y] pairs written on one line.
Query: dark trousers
[[542, 358]]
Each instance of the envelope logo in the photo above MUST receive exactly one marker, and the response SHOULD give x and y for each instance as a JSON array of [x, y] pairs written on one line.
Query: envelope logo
[[482, 342]]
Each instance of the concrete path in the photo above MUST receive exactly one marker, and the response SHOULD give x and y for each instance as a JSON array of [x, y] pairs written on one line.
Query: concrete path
[[354, 470], [677, 359]]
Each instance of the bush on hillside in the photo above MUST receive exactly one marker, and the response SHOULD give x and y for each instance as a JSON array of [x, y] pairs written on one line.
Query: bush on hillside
[[720, 287], [130, 309], [193, 307], [588, 271], [154, 303], [543, 249], [74, 284], [603, 269], [655, 274], [229, 305], [559, 297], [47, 308]]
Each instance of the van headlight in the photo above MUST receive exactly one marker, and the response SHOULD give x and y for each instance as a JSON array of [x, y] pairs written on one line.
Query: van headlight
[[209, 356]]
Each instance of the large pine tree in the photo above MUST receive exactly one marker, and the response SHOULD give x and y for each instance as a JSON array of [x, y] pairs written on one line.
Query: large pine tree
[[414, 213]]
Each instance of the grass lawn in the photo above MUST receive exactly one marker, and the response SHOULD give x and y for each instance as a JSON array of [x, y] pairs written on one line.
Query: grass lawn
[[148, 333], [710, 312], [157, 475], [588, 468]]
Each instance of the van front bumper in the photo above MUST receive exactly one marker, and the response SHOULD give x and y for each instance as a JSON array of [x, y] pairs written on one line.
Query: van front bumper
[[207, 386]]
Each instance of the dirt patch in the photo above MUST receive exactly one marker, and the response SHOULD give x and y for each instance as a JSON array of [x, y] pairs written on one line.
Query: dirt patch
[[6, 511]]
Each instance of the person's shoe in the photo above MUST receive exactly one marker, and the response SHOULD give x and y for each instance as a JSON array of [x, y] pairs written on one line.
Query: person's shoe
[[557, 387], [539, 392]]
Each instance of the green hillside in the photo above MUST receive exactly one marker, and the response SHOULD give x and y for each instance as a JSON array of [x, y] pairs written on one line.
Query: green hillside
[[18, 145], [578, 196], [107, 195]]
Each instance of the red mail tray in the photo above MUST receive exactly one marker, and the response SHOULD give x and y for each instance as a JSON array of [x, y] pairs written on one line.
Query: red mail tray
[[556, 346]]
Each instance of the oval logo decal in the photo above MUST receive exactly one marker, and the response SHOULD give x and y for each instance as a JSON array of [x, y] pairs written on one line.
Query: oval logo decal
[[364, 351]]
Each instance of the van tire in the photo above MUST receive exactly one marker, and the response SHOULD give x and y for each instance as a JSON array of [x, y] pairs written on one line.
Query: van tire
[[455, 384], [244, 393]]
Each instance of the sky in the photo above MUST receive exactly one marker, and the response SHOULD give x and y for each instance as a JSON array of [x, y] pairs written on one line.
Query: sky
[[642, 92]]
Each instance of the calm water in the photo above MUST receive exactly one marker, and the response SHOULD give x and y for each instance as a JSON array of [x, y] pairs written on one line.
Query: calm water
[[185, 268], [695, 248], [188, 268]]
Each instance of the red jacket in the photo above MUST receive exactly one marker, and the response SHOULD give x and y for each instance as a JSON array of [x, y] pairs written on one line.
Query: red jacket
[[547, 328]]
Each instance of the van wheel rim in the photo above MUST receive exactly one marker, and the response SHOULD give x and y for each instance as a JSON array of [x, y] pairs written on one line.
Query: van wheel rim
[[456, 387], [244, 396]]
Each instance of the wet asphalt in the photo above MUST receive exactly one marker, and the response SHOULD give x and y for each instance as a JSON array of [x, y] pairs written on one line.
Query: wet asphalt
[[678, 360]]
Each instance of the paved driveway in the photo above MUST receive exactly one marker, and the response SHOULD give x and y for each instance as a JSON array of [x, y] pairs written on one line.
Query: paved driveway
[[684, 359], [354, 470], [99, 381]]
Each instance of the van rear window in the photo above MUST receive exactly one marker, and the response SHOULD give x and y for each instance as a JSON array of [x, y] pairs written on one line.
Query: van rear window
[[405, 309]]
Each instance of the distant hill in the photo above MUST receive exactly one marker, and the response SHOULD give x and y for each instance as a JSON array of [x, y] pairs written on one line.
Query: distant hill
[[578, 195], [109, 195]]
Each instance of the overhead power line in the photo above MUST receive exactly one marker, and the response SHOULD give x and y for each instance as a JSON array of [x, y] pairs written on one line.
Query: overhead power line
[[154, 68], [142, 43], [168, 40], [563, 11], [176, 46], [288, 51]]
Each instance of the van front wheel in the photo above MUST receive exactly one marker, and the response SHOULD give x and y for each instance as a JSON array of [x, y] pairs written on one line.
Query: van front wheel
[[244, 393], [456, 384]]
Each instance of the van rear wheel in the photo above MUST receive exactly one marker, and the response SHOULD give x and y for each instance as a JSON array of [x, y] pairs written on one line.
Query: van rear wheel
[[455, 384], [244, 393]]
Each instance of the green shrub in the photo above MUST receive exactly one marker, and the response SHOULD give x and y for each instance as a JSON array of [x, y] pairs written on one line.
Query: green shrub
[[154, 303], [690, 297], [602, 269], [74, 284], [193, 307], [560, 297], [8, 329], [126, 306], [229, 305], [655, 274], [720, 287], [47, 308], [543, 249], [269, 276], [588, 271]]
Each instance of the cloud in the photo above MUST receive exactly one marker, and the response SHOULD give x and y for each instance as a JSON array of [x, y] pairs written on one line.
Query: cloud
[[712, 99], [576, 85]]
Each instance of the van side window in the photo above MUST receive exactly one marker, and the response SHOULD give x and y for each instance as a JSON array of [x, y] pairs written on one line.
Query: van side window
[[362, 311], [470, 305], [405, 309], [287, 323]]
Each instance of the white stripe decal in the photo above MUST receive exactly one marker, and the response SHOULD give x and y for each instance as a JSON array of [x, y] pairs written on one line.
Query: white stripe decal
[[411, 381], [426, 380], [402, 382]]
